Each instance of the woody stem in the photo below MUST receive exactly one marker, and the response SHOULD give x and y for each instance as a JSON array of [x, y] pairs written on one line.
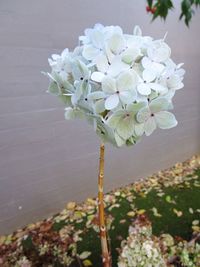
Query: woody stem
[[102, 226]]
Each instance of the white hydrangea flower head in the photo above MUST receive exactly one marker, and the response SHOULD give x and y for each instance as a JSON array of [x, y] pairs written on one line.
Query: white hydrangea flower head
[[141, 248], [123, 84]]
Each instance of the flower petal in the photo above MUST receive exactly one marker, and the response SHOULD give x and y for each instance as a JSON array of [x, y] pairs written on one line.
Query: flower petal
[[53, 88], [146, 63], [65, 53], [71, 113], [120, 141], [159, 52], [99, 106], [130, 54], [127, 97], [79, 70], [97, 38], [157, 67], [159, 104], [139, 129], [137, 31], [113, 120], [125, 127], [148, 75], [165, 120], [158, 88], [175, 82], [143, 114], [116, 43], [126, 81], [144, 89], [102, 63], [109, 85], [112, 102], [135, 107], [96, 95], [90, 52], [149, 126], [117, 66], [97, 76]]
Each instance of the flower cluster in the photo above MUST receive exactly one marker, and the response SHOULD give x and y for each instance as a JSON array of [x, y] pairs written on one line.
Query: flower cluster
[[123, 84], [141, 248]]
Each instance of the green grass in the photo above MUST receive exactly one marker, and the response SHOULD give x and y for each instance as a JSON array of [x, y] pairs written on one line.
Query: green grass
[[187, 197], [170, 199]]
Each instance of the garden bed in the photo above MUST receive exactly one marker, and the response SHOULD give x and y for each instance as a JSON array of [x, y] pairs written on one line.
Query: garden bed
[[170, 199]]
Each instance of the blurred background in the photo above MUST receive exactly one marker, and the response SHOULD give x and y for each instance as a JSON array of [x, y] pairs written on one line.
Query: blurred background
[[46, 161]]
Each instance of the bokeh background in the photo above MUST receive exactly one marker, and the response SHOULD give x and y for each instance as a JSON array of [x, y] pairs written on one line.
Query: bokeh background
[[46, 161]]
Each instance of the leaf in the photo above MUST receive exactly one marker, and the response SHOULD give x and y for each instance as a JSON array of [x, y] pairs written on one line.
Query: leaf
[[186, 11], [58, 225], [131, 213], [28, 243], [140, 212], [87, 263], [85, 255], [161, 8], [2, 239], [195, 222], [114, 206], [170, 200], [178, 212], [8, 240], [45, 227], [71, 205], [191, 210], [196, 228], [150, 2], [155, 212]]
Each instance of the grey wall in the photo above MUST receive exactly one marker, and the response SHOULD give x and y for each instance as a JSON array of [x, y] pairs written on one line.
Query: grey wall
[[46, 161]]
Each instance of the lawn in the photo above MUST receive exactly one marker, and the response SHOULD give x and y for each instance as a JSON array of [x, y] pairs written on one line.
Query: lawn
[[169, 198]]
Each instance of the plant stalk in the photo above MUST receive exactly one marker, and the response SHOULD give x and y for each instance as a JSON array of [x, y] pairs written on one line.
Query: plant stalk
[[106, 257]]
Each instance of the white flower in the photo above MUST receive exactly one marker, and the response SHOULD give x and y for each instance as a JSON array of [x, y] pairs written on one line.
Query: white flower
[[95, 40], [158, 51], [92, 50], [123, 121], [120, 90], [116, 43], [61, 63], [173, 75], [105, 67], [149, 64], [155, 115], [79, 70], [149, 83], [131, 54]]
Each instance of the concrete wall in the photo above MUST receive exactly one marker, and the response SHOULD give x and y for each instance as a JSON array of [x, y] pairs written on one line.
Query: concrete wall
[[46, 161]]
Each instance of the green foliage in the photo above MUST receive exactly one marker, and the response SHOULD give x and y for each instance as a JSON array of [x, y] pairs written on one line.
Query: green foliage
[[161, 8]]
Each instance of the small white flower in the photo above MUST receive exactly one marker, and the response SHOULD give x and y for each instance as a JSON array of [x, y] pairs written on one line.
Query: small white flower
[[105, 67], [120, 90], [149, 83], [173, 75], [158, 51], [123, 121], [155, 115], [61, 63]]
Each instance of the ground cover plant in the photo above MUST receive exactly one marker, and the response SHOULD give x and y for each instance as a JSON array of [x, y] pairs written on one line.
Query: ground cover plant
[[168, 202]]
